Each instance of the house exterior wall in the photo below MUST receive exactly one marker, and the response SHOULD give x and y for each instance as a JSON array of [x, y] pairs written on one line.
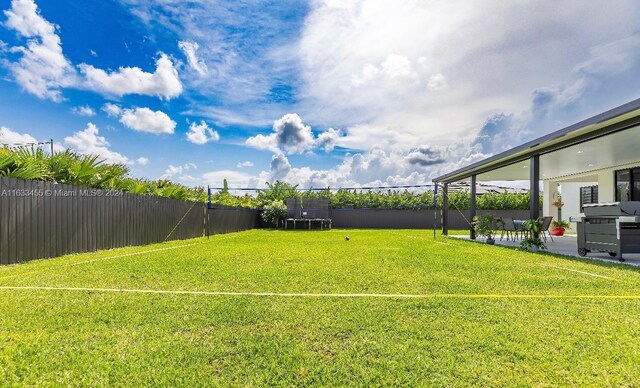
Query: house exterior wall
[[571, 199]]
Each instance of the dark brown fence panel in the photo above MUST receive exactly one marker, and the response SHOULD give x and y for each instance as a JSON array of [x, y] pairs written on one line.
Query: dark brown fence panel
[[382, 218], [226, 219], [44, 219], [409, 218]]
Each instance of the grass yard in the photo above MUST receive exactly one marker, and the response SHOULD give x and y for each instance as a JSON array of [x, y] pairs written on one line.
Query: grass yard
[[478, 315]]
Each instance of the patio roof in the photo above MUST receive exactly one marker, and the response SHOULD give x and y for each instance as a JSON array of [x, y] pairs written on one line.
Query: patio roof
[[581, 152]]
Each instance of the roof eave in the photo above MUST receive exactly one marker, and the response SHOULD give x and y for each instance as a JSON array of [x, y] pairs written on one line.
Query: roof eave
[[591, 126]]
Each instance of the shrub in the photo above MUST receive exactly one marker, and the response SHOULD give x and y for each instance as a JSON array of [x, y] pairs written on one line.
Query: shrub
[[274, 211], [86, 170]]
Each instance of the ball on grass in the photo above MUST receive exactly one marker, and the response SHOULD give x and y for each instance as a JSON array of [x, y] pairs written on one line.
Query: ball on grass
[[347, 238]]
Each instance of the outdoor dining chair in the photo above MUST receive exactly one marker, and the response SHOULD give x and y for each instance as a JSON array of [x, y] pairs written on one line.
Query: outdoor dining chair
[[510, 229], [544, 230]]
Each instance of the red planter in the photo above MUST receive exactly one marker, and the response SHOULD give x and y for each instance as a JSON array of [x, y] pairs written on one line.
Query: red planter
[[557, 232]]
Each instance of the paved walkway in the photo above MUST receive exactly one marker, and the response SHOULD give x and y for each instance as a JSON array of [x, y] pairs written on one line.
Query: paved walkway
[[568, 246]]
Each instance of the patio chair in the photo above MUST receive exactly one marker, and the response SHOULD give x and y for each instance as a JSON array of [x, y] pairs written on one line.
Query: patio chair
[[510, 229], [544, 230]]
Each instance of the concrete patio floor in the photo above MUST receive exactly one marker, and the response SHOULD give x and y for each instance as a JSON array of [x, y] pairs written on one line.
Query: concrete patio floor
[[567, 246]]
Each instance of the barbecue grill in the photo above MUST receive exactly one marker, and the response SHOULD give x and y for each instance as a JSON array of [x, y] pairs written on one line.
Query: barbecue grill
[[609, 227]]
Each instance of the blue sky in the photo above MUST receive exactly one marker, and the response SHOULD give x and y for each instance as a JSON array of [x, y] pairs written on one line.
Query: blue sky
[[319, 93]]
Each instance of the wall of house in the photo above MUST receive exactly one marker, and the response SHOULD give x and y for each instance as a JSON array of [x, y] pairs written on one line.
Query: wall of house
[[571, 199]]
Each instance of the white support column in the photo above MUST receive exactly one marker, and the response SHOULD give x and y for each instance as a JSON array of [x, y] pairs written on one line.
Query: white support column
[[549, 188], [606, 186]]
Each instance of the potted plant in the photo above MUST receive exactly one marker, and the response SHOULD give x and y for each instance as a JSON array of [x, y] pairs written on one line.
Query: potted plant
[[557, 200], [483, 226], [532, 243], [558, 227]]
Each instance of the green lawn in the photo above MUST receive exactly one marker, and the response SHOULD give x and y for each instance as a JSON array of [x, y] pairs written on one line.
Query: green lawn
[[490, 315]]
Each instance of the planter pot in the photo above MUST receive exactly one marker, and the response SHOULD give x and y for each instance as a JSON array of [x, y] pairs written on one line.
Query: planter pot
[[557, 232], [491, 241]]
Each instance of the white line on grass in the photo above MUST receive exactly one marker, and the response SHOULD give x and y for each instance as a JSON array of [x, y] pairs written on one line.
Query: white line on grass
[[95, 260], [128, 255], [311, 295], [575, 270]]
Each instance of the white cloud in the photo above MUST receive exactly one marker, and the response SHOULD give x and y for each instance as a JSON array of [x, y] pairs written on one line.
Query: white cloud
[[83, 110], [376, 167], [393, 68], [293, 136], [88, 141], [234, 178], [437, 82], [42, 69], [201, 133], [112, 110], [163, 82], [552, 107], [328, 139], [142, 161], [146, 120], [190, 50], [245, 164], [172, 170], [411, 72], [7, 136]]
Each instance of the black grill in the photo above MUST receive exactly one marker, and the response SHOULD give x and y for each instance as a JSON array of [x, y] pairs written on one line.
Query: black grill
[[609, 227]]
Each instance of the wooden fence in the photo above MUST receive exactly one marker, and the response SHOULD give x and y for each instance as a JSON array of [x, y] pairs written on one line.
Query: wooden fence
[[44, 219]]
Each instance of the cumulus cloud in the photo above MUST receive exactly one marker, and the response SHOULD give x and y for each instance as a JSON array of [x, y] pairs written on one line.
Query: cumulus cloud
[[201, 133], [280, 167], [190, 50], [552, 107], [163, 82], [234, 179], [394, 67], [85, 110], [405, 85], [293, 136], [112, 110], [147, 120], [9, 137], [376, 167], [424, 156], [142, 161], [89, 141], [172, 170], [327, 140], [42, 69]]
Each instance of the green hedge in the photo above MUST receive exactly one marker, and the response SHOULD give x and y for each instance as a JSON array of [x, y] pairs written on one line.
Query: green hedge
[[375, 199]]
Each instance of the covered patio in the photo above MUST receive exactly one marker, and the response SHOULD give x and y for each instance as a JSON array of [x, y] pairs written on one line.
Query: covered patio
[[585, 163], [564, 245]]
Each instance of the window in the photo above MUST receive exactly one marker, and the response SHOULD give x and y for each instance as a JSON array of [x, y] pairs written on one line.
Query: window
[[588, 194], [628, 184]]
